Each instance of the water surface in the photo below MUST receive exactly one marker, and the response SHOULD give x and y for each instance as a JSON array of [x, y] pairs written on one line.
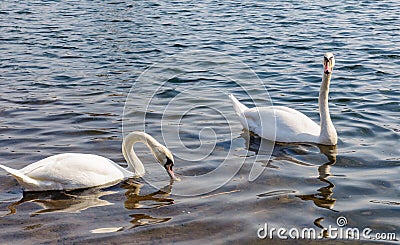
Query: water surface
[[67, 69]]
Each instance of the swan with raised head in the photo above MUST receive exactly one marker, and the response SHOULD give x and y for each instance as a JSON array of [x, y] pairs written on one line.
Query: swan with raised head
[[283, 124], [70, 171]]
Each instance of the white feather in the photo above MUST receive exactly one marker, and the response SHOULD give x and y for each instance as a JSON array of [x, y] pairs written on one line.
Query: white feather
[[283, 124], [69, 171]]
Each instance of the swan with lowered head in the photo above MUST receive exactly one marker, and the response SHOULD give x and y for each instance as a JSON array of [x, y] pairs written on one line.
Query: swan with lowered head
[[283, 124], [70, 171]]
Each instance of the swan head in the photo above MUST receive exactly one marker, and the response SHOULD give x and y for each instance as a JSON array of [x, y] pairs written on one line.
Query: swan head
[[166, 159], [329, 63]]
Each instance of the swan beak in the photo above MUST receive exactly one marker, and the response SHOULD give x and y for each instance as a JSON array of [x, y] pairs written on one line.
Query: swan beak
[[168, 166], [327, 68]]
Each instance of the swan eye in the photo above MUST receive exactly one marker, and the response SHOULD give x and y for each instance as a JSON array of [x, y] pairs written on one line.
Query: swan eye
[[328, 60]]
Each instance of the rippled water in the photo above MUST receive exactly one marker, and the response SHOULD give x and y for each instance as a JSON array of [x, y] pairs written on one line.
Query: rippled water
[[67, 69]]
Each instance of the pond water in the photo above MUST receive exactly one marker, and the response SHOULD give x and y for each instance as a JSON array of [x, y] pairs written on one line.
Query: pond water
[[77, 76]]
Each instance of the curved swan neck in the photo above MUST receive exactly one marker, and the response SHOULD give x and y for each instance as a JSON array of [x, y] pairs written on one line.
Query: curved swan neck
[[328, 135], [134, 163]]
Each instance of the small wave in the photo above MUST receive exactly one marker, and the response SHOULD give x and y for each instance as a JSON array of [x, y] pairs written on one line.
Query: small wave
[[35, 102], [391, 203], [168, 93], [276, 193]]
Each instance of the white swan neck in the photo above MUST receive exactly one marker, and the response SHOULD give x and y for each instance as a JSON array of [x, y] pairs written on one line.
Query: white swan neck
[[134, 163], [328, 135]]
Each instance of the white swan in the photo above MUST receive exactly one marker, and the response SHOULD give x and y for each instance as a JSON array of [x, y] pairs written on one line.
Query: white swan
[[75, 170], [292, 125]]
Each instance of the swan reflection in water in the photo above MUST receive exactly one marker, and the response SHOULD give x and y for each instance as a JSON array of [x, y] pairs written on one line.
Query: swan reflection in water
[[63, 201], [281, 151], [79, 200], [155, 199], [323, 198], [135, 201]]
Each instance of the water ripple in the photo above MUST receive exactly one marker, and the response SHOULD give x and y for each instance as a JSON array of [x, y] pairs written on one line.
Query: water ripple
[[67, 67]]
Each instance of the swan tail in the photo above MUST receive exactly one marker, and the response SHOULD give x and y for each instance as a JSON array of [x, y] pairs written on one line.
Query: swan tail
[[239, 109], [20, 177]]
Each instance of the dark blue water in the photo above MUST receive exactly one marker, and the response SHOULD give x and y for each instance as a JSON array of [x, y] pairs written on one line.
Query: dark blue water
[[77, 76]]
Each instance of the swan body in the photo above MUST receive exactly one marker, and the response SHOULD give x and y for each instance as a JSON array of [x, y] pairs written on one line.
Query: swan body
[[69, 171], [283, 124]]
